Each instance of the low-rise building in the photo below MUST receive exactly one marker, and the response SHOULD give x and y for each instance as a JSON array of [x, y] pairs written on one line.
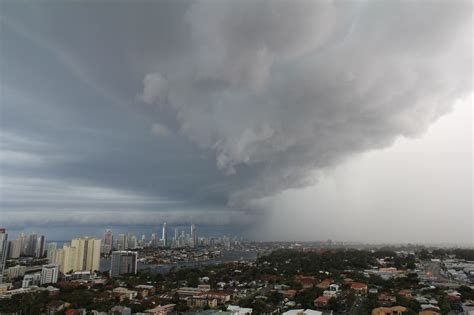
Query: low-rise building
[[56, 306], [161, 310], [386, 299], [191, 291], [359, 287], [237, 310], [31, 280], [321, 301], [145, 290], [124, 293], [395, 310], [15, 272]]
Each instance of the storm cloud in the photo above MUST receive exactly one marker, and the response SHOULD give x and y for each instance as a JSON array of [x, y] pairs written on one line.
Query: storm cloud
[[278, 90], [205, 110]]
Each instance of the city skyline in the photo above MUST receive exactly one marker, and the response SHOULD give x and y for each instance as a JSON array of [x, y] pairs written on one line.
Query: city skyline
[[315, 121]]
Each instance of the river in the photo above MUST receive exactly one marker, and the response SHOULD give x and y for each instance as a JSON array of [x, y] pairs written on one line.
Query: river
[[227, 256]]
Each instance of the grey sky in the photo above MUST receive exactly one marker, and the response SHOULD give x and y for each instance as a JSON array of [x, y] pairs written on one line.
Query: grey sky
[[221, 112]]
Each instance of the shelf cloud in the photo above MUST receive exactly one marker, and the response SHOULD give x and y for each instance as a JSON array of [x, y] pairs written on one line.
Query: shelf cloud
[[152, 111], [278, 90]]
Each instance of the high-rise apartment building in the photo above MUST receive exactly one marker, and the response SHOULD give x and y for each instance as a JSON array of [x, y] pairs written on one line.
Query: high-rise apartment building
[[107, 242], [154, 240], [123, 262], [131, 241], [194, 236], [164, 235], [122, 242], [49, 274], [40, 246], [51, 252], [3, 251], [31, 243], [66, 259], [87, 253], [14, 249], [23, 242]]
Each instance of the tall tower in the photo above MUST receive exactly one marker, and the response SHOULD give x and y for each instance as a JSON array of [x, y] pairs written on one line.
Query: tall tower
[[66, 259], [31, 243], [40, 246], [164, 235], [194, 236], [51, 252], [3, 251], [107, 242]]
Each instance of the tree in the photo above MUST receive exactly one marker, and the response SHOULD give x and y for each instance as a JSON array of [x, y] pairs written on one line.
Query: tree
[[275, 298]]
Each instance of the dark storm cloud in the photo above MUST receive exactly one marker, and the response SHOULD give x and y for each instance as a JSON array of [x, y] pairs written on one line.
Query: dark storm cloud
[[278, 89], [193, 106]]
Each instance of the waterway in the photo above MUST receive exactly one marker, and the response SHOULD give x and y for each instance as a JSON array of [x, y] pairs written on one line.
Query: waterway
[[227, 256]]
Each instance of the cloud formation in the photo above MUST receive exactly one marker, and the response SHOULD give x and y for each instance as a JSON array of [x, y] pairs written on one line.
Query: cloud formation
[[238, 102], [279, 90]]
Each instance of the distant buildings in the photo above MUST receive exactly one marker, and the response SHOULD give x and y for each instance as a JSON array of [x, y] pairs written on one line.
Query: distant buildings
[[49, 274], [32, 245], [35, 245], [123, 262]]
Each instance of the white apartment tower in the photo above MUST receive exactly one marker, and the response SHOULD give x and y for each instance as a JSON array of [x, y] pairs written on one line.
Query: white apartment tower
[[49, 274]]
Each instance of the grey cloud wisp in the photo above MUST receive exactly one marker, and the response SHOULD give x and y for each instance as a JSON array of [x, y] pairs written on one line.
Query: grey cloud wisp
[[279, 89]]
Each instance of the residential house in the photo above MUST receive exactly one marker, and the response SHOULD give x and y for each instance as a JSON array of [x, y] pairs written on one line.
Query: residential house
[[321, 301], [395, 310]]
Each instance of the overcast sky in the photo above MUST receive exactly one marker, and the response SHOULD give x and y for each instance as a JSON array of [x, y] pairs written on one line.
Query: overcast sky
[[293, 120]]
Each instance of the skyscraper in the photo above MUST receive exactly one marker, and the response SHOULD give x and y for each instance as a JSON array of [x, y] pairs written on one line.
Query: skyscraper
[[14, 249], [176, 233], [123, 262], [107, 242], [122, 242], [131, 241], [87, 253], [51, 252], [164, 236], [31, 243], [154, 240], [23, 243], [40, 246], [3, 251], [194, 236], [49, 274], [66, 258]]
